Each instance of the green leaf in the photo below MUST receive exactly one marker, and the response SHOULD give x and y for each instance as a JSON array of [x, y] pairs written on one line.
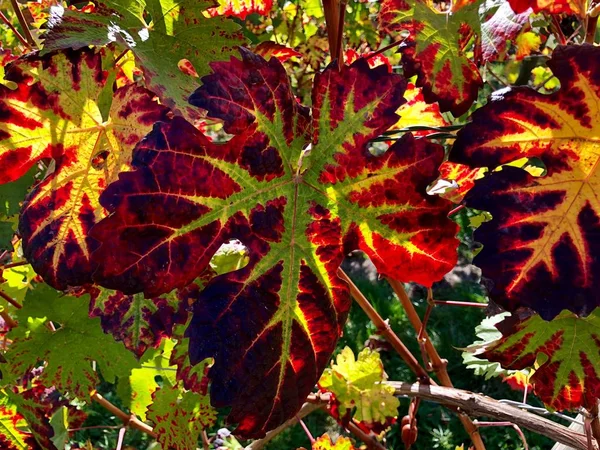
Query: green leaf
[[11, 196], [179, 418], [67, 352], [178, 31], [357, 383], [60, 425]]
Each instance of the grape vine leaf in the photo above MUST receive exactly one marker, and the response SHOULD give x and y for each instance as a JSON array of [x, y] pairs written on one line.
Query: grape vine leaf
[[66, 351], [179, 31], [434, 50], [269, 49], [540, 250], [179, 418], [13, 427], [55, 112], [36, 408], [140, 323], [297, 213], [526, 44], [573, 7], [417, 112], [504, 26], [357, 383], [456, 180], [241, 8], [325, 443], [565, 349]]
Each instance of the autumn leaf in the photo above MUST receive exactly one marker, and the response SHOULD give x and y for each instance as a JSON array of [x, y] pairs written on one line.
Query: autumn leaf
[[13, 427], [270, 49], [241, 8], [527, 43], [179, 418], [325, 443], [138, 322], [575, 7], [456, 180], [68, 362], [357, 383], [434, 50], [178, 32], [565, 352], [417, 112], [55, 113], [374, 60], [297, 213], [540, 249], [502, 27]]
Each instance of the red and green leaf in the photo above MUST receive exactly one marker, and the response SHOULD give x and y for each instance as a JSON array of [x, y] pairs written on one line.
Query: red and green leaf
[[435, 50], [13, 427], [540, 249], [180, 417], [178, 32], [496, 32], [297, 213], [55, 113], [269, 49], [566, 351]]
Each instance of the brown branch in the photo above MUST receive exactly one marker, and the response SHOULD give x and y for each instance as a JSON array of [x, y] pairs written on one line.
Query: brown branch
[[15, 264], [370, 440], [23, 23], [304, 411], [9, 321], [505, 424], [127, 419], [19, 36], [477, 405], [9, 299], [594, 421], [384, 329], [439, 365]]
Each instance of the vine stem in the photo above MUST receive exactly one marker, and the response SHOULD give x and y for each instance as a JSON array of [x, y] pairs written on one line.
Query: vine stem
[[14, 30], [439, 365], [384, 329], [15, 264], [9, 299], [127, 419], [505, 424], [458, 303], [23, 23]]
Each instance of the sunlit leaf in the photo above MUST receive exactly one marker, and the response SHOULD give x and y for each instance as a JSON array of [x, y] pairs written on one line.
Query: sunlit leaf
[[325, 443], [540, 249], [297, 213], [241, 8], [416, 111], [13, 427], [576, 7]]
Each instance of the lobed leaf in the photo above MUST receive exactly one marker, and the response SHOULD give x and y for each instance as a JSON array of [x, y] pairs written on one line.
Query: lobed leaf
[[65, 352], [297, 211], [504, 26], [566, 351], [540, 249], [575, 7], [241, 8], [55, 113], [434, 50], [325, 443], [180, 418], [178, 33], [13, 434]]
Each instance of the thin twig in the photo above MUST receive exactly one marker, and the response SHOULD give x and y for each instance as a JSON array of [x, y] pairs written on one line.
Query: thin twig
[[121, 55], [558, 30], [15, 264], [23, 23], [457, 209], [385, 49], [9, 299], [505, 424], [306, 431], [121, 438], [14, 30], [9, 321], [439, 365], [384, 329], [459, 303], [205, 441], [132, 421], [96, 427]]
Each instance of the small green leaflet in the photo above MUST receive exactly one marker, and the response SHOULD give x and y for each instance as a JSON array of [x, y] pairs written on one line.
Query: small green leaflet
[[65, 351]]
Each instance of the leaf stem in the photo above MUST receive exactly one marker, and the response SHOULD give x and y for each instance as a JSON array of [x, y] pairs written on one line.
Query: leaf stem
[[385, 330], [15, 264], [9, 299], [385, 49], [121, 438], [14, 30], [505, 424], [121, 55], [439, 365], [307, 431], [23, 23], [459, 303]]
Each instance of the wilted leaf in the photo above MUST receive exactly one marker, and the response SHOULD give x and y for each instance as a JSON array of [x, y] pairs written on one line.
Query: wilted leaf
[[434, 50], [54, 113], [357, 383], [567, 350], [540, 249], [179, 31], [66, 351], [298, 215], [179, 418]]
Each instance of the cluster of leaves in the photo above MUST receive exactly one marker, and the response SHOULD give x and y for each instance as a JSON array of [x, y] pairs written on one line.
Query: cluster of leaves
[[185, 215]]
